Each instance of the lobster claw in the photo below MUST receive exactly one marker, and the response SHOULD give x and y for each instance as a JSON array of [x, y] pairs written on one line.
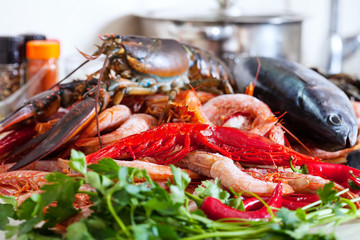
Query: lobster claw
[[66, 128], [40, 106]]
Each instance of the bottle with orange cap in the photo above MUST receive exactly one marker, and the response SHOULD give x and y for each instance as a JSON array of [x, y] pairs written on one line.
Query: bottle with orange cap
[[42, 66]]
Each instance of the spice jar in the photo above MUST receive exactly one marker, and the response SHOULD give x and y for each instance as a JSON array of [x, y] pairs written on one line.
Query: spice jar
[[42, 66], [28, 37], [10, 65]]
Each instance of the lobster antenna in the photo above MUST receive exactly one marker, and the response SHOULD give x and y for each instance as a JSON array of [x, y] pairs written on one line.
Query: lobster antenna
[[97, 100], [290, 133], [87, 57], [71, 73], [296, 139]]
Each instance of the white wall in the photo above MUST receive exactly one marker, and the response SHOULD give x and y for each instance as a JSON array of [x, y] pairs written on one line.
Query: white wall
[[77, 23]]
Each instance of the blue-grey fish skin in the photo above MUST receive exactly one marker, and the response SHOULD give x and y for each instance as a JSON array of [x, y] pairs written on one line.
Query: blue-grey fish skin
[[317, 111]]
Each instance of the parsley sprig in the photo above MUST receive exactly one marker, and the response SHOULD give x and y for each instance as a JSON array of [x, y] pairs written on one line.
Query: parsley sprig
[[124, 208]]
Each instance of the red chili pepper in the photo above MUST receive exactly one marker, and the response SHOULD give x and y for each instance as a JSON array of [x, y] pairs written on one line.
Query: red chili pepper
[[336, 172], [253, 203], [214, 209], [290, 202], [293, 205], [16, 138], [298, 197]]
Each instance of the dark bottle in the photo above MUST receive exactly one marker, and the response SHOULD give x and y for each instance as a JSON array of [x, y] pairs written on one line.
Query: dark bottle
[[11, 73]]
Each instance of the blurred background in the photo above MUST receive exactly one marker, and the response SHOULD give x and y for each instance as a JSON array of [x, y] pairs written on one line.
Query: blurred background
[[77, 24]]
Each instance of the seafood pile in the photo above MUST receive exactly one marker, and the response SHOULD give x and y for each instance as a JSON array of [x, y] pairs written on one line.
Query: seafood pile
[[157, 102]]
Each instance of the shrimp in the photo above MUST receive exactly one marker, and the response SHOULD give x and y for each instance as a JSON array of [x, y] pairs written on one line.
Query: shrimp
[[231, 176], [187, 108], [109, 118], [135, 124], [43, 165], [21, 181], [156, 104], [244, 112], [156, 171], [301, 183]]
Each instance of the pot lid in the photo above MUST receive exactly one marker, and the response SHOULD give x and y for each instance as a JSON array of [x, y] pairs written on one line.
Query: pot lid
[[221, 16]]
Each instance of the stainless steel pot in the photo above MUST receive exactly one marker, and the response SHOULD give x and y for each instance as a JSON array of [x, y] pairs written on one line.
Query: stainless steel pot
[[229, 37]]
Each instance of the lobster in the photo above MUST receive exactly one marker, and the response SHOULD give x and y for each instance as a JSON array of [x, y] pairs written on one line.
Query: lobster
[[133, 65]]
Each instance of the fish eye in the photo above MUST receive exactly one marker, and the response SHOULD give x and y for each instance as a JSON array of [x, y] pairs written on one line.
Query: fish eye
[[334, 119]]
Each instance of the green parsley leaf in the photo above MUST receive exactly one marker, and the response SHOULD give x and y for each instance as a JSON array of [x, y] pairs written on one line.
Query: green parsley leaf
[[327, 194], [9, 200], [78, 231], [289, 218], [6, 211], [212, 189], [106, 166], [181, 179], [78, 162], [62, 191], [31, 207], [236, 203]]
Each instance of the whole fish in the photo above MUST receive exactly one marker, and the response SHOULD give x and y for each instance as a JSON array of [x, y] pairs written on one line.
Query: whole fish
[[316, 110]]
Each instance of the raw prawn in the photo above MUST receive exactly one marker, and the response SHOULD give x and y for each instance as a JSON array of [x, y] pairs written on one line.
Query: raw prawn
[[43, 165], [214, 165], [186, 107], [109, 118], [156, 172], [17, 182], [243, 111], [301, 183], [136, 123]]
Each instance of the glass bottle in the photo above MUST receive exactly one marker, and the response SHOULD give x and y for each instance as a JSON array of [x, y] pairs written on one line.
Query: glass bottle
[[28, 37], [42, 65], [10, 65]]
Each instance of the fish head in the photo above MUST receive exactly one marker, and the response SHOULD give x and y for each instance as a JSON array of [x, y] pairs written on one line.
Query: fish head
[[330, 115]]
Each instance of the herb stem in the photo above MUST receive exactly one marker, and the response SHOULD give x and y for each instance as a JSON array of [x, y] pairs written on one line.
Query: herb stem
[[115, 216], [237, 234]]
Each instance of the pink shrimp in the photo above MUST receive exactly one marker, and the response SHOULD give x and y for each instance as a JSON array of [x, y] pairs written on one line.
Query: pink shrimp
[[244, 112], [156, 172], [109, 118], [187, 107], [214, 165], [301, 183], [135, 124], [18, 182], [43, 165]]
